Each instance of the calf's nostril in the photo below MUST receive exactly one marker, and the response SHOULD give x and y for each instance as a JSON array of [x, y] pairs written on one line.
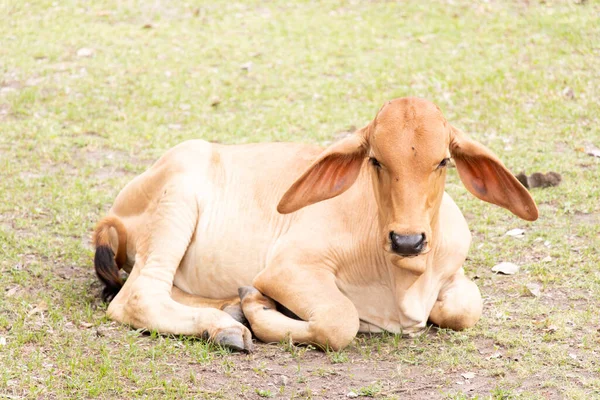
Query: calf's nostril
[[407, 244]]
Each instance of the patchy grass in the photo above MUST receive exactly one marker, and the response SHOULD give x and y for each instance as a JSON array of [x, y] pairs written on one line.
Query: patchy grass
[[92, 92]]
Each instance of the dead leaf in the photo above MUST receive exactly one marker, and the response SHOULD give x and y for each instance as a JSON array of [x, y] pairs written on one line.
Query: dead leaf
[[547, 259], [85, 325], [592, 150], [85, 52], [506, 268], [568, 93], [40, 308], [517, 232], [247, 66], [147, 26], [534, 289], [11, 292]]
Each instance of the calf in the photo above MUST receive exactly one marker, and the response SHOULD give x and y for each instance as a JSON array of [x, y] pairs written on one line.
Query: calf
[[357, 237]]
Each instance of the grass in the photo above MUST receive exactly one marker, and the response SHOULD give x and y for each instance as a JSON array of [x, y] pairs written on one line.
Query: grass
[[74, 129]]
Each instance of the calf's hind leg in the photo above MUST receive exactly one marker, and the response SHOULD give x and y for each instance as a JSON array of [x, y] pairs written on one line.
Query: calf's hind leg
[[459, 304], [145, 300]]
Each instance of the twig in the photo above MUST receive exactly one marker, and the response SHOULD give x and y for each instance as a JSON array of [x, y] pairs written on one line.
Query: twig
[[404, 390]]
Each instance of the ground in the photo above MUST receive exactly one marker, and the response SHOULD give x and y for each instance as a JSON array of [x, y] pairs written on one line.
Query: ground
[[92, 92]]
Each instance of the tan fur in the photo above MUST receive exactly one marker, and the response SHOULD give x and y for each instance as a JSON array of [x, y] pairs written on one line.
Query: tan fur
[[203, 222]]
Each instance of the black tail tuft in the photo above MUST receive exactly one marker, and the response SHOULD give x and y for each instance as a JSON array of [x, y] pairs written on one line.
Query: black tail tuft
[[108, 272]]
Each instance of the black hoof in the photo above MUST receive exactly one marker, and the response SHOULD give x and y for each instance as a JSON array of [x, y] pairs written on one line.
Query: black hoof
[[236, 313], [245, 291], [234, 339]]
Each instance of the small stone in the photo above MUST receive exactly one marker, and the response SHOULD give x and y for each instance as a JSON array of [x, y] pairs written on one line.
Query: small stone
[[547, 259], [468, 375], [247, 66], [352, 394], [2, 341], [283, 380], [573, 356]]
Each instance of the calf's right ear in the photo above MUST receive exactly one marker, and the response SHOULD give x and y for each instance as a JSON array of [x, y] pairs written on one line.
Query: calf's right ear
[[330, 175]]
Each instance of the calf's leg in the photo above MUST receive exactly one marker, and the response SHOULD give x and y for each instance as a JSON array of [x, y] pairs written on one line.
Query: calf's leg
[[329, 319], [145, 301], [459, 304]]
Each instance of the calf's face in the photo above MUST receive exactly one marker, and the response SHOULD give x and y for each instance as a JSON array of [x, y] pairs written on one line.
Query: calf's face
[[409, 145]]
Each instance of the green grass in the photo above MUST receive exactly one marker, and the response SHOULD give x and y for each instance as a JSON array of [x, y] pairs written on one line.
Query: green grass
[[74, 130]]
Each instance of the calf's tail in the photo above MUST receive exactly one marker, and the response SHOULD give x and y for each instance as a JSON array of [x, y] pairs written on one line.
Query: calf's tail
[[107, 265]]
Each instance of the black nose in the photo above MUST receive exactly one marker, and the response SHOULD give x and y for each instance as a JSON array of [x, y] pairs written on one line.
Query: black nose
[[407, 244]]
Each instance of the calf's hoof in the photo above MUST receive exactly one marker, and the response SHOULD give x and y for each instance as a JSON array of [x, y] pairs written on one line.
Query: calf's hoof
[[235, 339], [236, 313]]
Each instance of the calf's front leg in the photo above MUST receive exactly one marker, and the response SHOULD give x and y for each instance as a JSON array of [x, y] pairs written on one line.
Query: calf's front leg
[[458, 305], [329, 319]]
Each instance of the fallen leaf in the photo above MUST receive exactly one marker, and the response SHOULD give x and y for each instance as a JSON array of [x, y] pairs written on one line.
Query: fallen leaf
[[11, 292], [592, 150], [40, 308], [468, 375], [85, 325], [506, 268], [546, 259], [534, 289], [246, 66], [573, 356], [85, 52], [568, 93], [517, 232]]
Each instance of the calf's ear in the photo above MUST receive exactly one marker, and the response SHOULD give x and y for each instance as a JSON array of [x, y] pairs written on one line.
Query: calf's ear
[[330, 175], [484, 175]]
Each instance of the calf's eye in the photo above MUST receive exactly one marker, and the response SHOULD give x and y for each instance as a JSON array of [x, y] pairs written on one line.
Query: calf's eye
[[444, 162], [374, 162]]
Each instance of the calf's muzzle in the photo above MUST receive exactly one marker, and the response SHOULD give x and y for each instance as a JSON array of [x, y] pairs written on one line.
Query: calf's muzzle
[[407, 245]]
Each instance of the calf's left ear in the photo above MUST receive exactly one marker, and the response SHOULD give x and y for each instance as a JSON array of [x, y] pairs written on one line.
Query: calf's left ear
[[484, 175], [331, 174]]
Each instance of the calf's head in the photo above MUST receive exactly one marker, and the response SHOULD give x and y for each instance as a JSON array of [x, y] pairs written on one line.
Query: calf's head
[[408, 146]]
